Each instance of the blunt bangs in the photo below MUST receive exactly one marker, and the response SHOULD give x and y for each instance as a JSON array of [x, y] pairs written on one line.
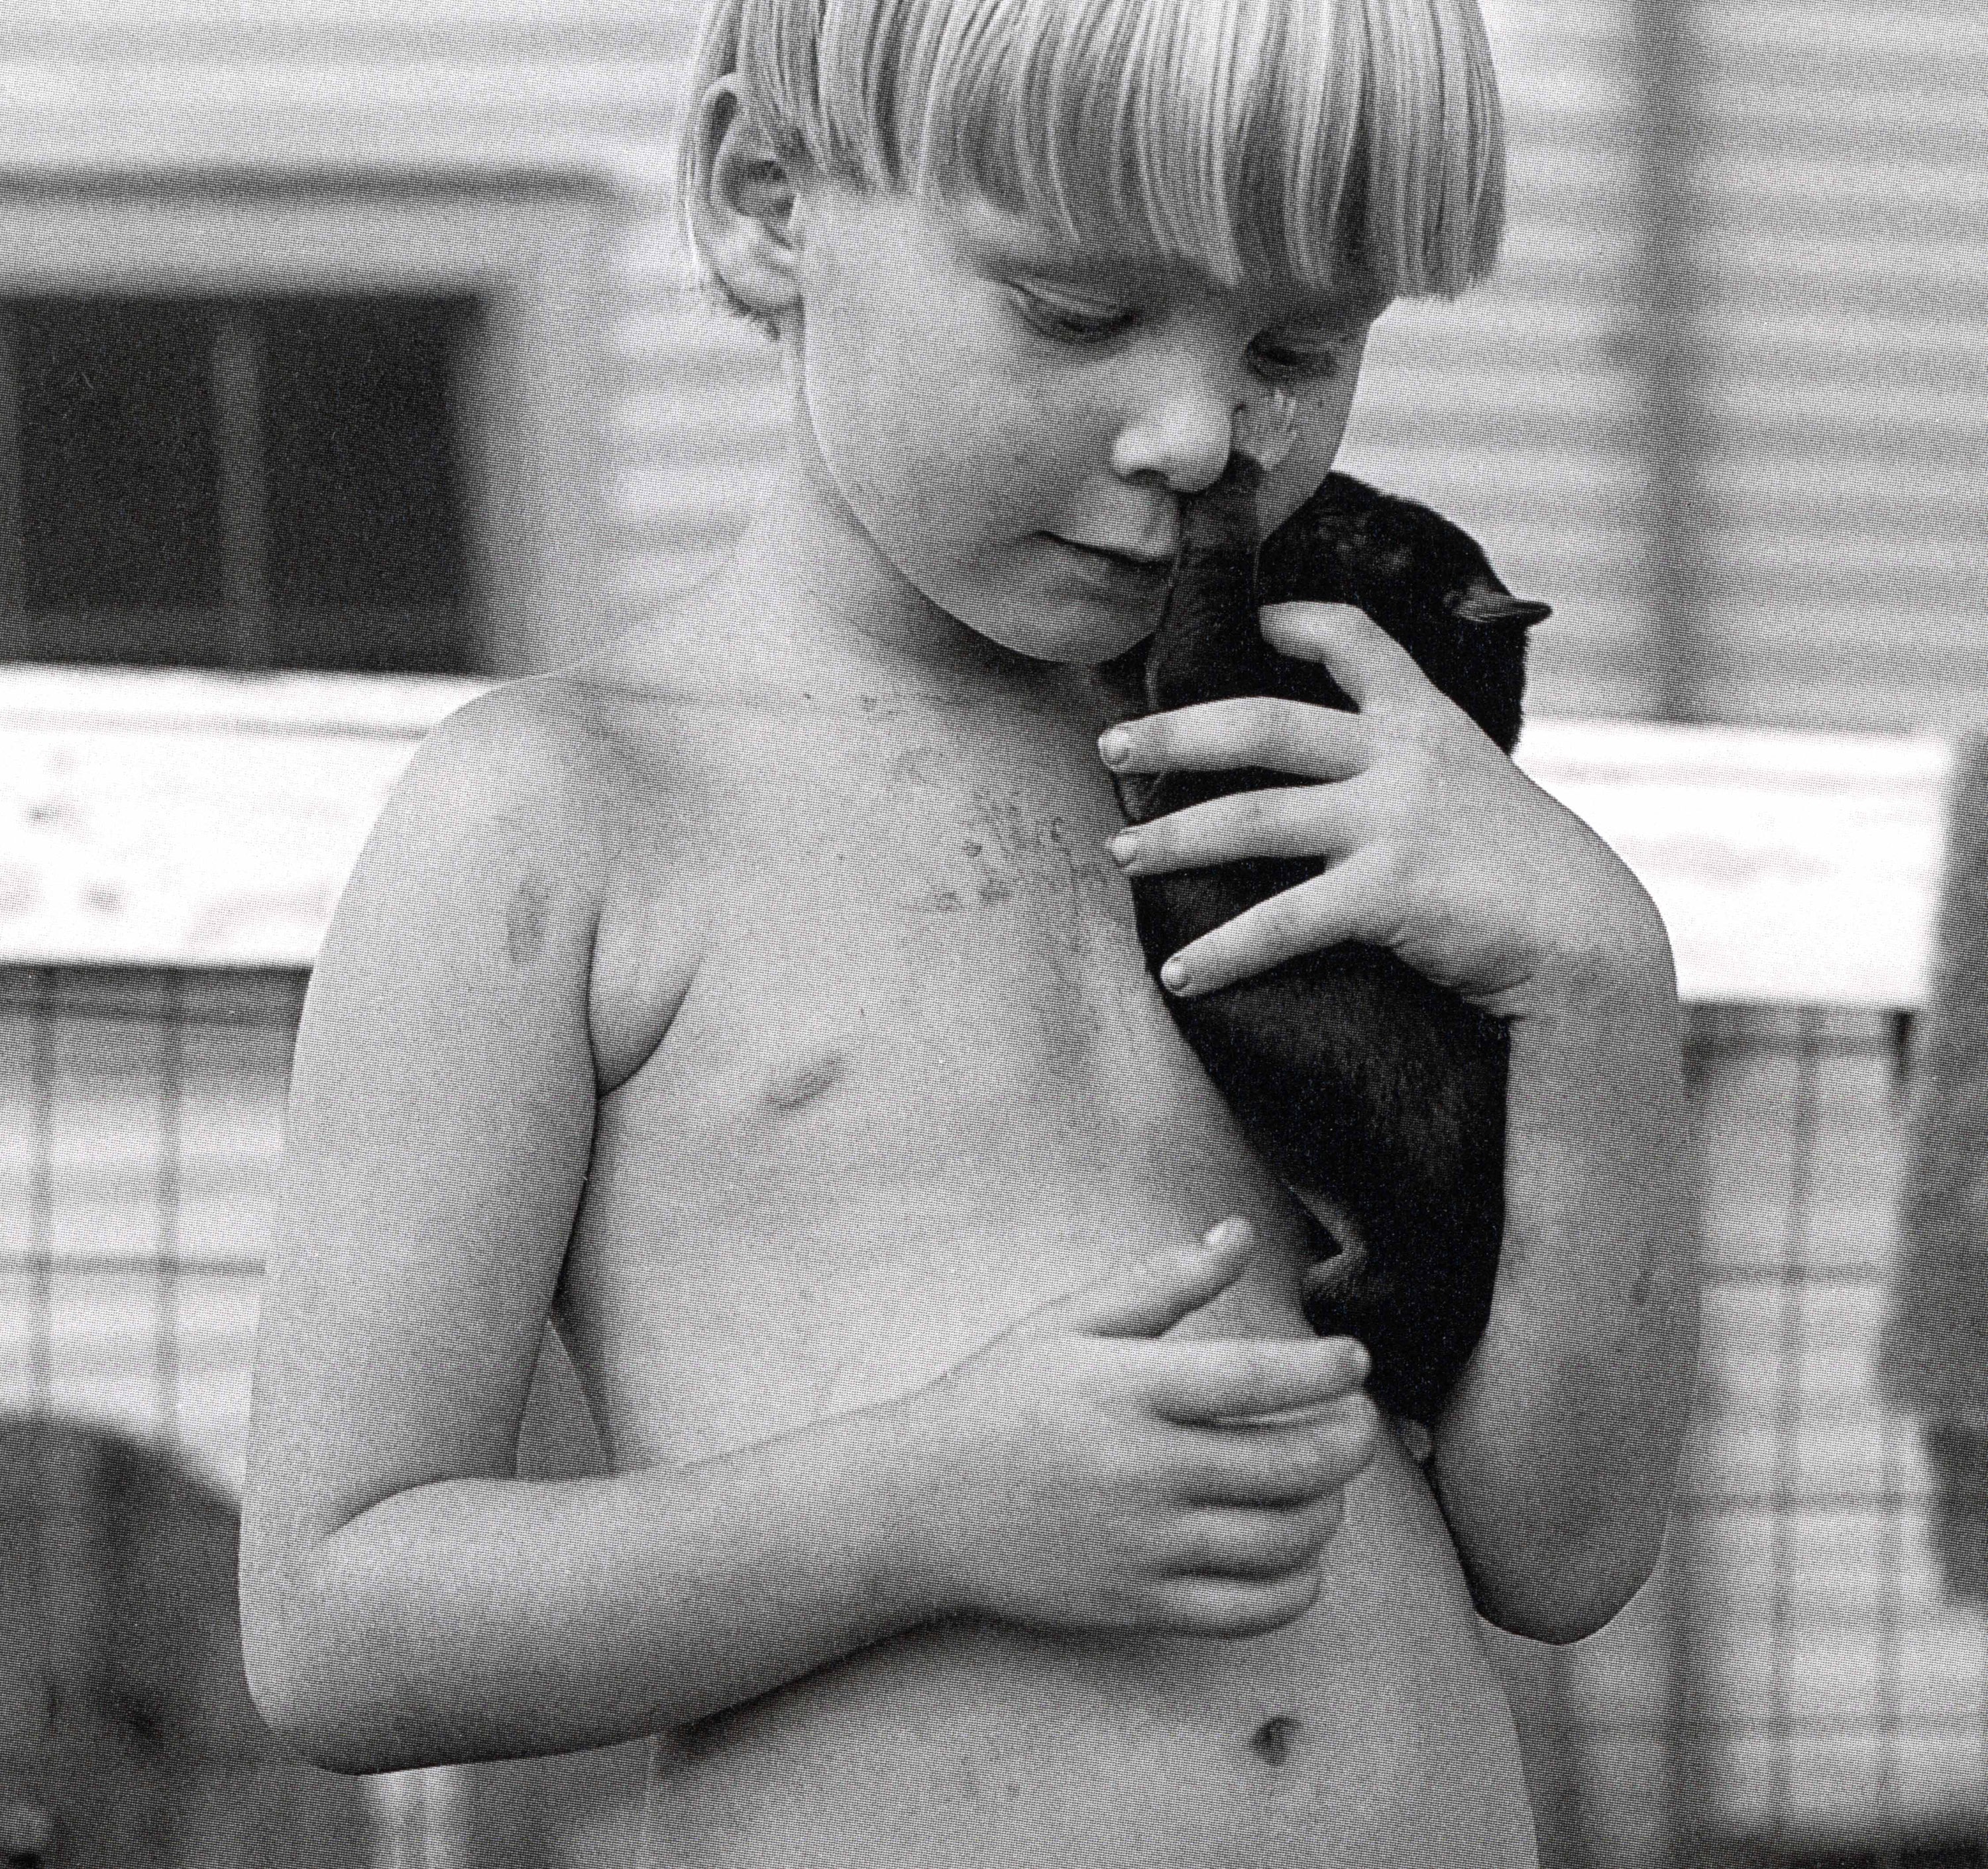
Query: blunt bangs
[[1309, 139]]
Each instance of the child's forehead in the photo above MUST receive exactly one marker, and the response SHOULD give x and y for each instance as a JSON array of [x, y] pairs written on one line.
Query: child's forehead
[[1303, 135], [1000, 239]]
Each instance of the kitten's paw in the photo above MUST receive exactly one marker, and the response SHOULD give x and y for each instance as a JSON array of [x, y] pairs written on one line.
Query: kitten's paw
[[1329, 1289], [1417, 1442], [1267, 431]]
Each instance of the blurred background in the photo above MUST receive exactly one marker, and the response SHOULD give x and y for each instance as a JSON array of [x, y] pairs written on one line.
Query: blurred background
[[346, 358]]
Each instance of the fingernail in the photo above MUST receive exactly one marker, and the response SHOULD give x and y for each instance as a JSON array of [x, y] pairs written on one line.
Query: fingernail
[[1114, 747], [1123, 848], [1175, 976]]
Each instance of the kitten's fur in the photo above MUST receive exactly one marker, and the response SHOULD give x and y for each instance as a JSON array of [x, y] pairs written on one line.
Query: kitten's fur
[[1364, 1086]]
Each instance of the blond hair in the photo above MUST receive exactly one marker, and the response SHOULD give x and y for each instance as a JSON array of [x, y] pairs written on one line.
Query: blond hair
[[1304, 139]]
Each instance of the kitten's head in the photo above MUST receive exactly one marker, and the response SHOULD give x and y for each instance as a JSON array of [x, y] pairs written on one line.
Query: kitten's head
[[1424, 580]]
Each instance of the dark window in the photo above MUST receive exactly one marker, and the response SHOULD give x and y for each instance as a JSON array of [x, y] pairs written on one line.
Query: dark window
[[236, 483]]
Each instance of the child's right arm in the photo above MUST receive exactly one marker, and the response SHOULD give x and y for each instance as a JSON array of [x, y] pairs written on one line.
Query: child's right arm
[[406, 1600]]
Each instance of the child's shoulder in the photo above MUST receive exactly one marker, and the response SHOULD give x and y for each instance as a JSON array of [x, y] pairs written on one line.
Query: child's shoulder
[[469, 941], [546, 762], [541, 745], [509, 811]]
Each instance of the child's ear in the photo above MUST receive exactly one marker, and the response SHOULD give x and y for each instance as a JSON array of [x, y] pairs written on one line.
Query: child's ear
[[744, 210]]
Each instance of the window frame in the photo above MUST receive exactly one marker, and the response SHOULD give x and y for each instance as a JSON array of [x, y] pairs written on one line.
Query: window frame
[[530, 249]]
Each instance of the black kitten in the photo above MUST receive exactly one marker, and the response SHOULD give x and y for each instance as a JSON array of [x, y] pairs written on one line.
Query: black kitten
[[1355, 1078]]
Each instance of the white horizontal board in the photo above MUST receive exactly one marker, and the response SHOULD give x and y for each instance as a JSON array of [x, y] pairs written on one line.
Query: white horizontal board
[[174, 819], [155, 699], [217, 827], [1790, 867]]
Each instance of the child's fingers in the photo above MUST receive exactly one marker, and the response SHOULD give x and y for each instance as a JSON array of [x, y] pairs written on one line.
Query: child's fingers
[[1228, 1541], [1235, 1606], [1283, 1465], [1360, 656], [1227, 1378], [1297, 737], [1153, 1294], [1312, 820], [1347, 903]]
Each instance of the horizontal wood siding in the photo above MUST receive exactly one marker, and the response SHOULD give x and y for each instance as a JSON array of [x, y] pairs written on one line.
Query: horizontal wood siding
[[440, 94], [1842, 247], [1836, 249], [1515, 410]]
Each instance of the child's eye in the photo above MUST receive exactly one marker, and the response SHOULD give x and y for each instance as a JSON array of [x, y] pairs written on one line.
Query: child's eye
[[1074, 321], [1294, 362]]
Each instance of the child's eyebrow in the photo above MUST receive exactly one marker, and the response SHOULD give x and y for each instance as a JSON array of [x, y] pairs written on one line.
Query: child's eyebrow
[[1044, 257], [1341, 312], [1010, 246]]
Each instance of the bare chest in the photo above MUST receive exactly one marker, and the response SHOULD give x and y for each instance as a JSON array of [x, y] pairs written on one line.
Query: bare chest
[[876, 899], [920, 1082]]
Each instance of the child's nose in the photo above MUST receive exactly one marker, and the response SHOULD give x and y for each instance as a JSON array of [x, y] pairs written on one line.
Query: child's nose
[[1180, 436]]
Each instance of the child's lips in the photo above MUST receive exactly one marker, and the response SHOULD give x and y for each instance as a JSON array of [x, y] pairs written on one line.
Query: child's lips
[[1139, 574]]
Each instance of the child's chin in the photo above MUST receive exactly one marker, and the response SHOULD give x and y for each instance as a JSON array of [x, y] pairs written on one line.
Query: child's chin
[[1073, 649], [1078, 635]]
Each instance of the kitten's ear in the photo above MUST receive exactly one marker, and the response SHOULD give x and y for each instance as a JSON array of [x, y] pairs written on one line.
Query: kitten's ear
[[1484, 603]]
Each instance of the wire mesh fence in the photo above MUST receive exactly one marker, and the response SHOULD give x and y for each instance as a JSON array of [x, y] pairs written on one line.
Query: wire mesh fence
[[1793, 1688], [141, 1126], [1835, 1702]]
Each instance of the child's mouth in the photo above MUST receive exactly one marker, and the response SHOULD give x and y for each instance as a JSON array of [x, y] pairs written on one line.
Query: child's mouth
[[1125, 574]]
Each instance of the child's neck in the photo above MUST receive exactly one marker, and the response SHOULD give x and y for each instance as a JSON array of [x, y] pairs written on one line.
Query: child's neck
[[805, 569]]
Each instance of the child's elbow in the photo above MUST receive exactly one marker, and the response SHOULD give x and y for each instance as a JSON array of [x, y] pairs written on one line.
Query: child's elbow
[[293, 1706], [1566, 1600], [295, 1682], [1558, 1620]]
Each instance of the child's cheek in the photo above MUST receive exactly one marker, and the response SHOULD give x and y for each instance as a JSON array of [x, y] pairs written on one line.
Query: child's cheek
[[877, 448]]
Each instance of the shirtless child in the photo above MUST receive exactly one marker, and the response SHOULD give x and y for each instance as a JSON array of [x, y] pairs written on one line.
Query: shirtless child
[[760, 1000]]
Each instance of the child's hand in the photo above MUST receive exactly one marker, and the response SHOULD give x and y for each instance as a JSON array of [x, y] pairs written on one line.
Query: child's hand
[[1092, 1473], [1437, 846]]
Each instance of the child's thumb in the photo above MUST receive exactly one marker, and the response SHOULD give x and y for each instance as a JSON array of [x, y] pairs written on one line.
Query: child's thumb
[[1154, 1294]]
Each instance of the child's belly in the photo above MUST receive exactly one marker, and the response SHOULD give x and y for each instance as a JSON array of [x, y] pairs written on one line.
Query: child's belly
[[895, 1113], [1368, 1734]]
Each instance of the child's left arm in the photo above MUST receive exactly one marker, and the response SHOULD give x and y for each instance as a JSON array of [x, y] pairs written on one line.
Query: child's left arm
[[1555, 1458]]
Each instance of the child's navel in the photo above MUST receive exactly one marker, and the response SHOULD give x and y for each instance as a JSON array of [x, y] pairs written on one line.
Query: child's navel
[[1271, 1741], [798, 1084]]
